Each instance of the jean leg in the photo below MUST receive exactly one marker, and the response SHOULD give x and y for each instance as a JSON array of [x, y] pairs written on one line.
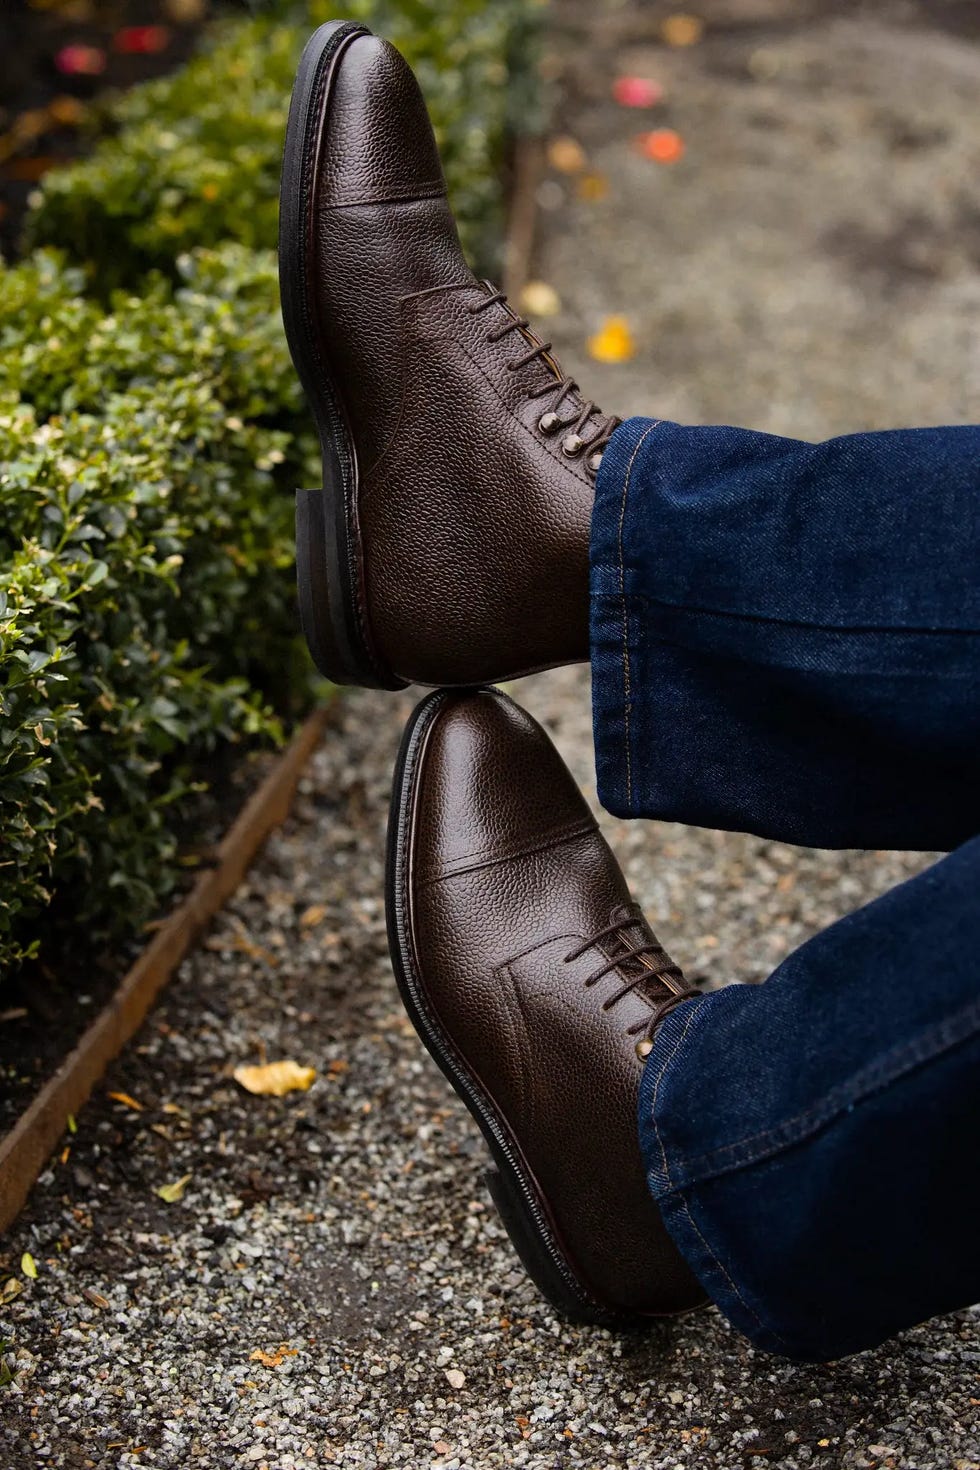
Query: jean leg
[[814, 1142], [786, 636]]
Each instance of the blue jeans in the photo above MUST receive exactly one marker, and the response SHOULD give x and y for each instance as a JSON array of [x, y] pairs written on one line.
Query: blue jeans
[[786, 641]]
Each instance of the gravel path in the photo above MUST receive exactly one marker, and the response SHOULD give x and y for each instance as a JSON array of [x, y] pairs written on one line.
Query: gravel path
[[333, 1287]]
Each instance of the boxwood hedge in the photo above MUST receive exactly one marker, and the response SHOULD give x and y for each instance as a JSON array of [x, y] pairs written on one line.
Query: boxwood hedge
[[196, 160], [151, 430]]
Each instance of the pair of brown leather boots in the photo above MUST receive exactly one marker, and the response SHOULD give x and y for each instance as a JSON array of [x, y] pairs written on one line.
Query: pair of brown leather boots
[[449, 546]]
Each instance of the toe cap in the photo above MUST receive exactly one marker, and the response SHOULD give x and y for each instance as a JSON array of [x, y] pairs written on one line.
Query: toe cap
[[377, 142], [493, 785]]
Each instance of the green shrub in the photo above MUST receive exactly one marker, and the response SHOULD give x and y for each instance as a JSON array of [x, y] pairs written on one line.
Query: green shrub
[[145, 545], [204, 366], [197, 158]]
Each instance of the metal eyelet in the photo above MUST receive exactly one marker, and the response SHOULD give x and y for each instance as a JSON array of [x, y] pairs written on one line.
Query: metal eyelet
[[549, 422], [594, 461], [644, 1047], [572, 445]]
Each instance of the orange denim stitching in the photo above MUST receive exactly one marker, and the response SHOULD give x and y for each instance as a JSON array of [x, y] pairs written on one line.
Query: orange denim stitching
[[627, 693]]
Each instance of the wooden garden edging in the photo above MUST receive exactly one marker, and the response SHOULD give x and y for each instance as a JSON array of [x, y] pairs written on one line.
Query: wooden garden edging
[[27, 1147]]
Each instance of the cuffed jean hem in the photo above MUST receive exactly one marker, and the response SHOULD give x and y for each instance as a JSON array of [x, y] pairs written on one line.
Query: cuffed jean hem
[[783, 641], [613, 622]]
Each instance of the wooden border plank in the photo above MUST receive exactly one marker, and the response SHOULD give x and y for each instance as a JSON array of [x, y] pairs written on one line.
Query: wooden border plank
[[25, 1150], [522, 223]]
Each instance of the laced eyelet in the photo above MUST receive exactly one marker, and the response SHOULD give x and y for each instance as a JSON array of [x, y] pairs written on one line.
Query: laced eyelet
[[549, 423], [572, 445], [644, 1047]]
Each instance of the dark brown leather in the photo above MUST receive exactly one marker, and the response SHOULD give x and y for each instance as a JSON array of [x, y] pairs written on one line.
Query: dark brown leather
[[509, 875], [465, 509]]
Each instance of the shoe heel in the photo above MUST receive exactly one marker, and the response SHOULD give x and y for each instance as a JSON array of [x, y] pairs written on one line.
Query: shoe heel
[[534, 1256]]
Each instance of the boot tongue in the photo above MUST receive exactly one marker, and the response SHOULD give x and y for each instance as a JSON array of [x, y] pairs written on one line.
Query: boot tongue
[[572, 402], [547, 360], [649, 968]]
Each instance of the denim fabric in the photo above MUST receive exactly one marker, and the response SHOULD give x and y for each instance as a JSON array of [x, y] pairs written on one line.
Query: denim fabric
[[786, 636], [786, 640], [814, 1142]]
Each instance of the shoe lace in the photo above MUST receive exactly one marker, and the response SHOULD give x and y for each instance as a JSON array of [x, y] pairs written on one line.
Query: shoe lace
[[639, 965], [561, 389]]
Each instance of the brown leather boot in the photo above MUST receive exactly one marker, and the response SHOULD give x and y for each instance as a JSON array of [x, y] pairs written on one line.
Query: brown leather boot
[[537, 986], [449, 543]]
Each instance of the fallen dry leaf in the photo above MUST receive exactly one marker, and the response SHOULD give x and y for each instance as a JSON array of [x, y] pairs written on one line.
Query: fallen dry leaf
[[593, 188], [96, 1298], [171, 1193], [637, 92], [127, 1101], [185, 11], [315, 914], [540, 299], [272, 1360], [662, 145], [682, 30], [242, 942], [614, 342], [10, 1288], [67, 112], [566, 155], [275, 1079]]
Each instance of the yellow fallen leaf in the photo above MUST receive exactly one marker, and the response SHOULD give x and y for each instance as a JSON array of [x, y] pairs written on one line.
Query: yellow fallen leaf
[[273, 1360], [171, 1193], [566, 155], [28, 1265], [127, 1101], [10, 1288], [593, 188], [275, 1079], [315, 914], [682, 30], [540, 299], [614, 342]]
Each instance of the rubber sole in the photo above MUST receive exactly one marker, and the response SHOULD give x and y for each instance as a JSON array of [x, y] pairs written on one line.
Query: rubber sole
[[518, 1200], [328, 553]]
